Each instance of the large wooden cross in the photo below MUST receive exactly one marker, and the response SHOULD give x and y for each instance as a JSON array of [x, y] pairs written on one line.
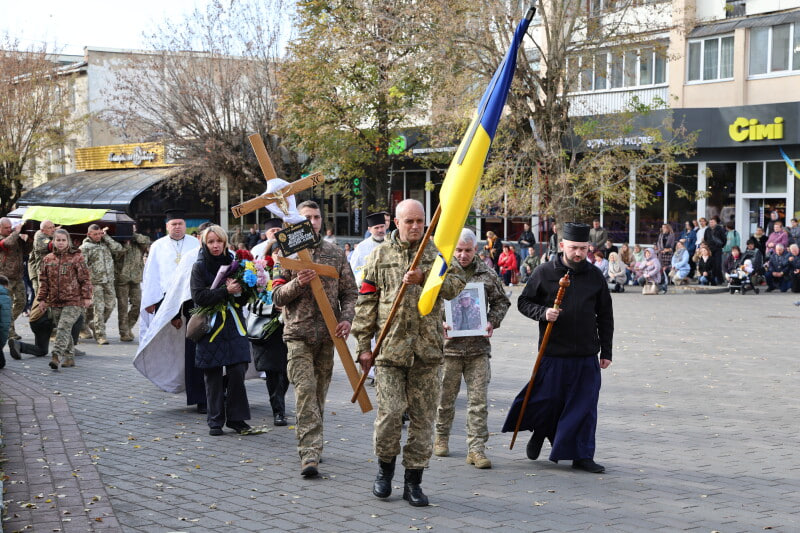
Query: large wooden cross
[[304, 258]]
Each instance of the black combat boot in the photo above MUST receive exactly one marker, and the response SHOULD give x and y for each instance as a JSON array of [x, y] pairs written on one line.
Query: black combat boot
[[382, 488], [412, 492]]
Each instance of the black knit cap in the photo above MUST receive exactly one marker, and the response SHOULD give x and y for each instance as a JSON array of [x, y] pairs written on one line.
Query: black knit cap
[[575, 231]]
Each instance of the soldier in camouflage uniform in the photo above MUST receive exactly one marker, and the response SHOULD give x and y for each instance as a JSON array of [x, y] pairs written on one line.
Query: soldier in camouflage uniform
[[66, 289], [97, 249], [307, 338], [469, 356], [41, 247], [128, 267], [12, 248], [408, 365]]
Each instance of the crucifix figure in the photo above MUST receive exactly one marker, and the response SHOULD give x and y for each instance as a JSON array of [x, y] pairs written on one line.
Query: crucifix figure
[[279, 199]]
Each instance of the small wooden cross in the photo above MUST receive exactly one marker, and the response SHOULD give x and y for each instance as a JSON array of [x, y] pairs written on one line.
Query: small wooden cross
[[304, 259]]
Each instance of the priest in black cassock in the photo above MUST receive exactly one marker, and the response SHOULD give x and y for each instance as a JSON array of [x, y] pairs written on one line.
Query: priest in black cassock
[[563, 404]]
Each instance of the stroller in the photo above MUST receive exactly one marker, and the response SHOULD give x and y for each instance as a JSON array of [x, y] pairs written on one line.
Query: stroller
[[741, 279]]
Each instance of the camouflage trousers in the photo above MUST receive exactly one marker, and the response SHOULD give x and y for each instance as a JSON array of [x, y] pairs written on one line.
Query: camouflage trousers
[[310, 367], [413, 390], [64, 318], [16, 289], [104, 299], [129, 298], [477, 373]]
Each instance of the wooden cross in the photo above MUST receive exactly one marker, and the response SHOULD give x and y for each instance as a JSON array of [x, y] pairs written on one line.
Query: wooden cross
[[304, 259]]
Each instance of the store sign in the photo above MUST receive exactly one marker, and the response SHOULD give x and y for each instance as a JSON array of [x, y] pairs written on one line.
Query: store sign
[[744, 129], [136, 157]]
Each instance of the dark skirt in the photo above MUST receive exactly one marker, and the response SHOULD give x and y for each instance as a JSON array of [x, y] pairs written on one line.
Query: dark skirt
[[270, 355], [562, 406]]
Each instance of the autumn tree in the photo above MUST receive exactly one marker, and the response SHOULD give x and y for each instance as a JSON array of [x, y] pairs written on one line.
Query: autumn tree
[[356, 75], [34, 117], [547, 158], [206, 82]]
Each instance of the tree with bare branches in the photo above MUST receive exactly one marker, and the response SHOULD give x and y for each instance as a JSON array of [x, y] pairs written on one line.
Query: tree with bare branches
[[34, 116], [546, 158], [206, 83]]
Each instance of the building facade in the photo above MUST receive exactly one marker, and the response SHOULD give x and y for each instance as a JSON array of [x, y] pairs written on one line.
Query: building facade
[[731, 75]]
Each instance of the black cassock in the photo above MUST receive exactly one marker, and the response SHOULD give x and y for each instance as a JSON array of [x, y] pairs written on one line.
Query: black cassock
[[563, 402]]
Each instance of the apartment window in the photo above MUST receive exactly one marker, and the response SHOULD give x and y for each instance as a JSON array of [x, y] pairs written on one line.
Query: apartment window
[[775, 49], [615, 70], [711, 59]]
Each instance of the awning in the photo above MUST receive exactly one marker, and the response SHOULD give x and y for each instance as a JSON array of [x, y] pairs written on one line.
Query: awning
[[99, 189], [749, 22]]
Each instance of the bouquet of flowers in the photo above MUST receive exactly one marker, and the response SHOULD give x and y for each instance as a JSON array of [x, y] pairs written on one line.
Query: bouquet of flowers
[[251, 275]]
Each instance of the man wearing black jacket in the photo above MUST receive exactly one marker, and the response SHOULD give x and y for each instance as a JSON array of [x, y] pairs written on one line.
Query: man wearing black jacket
[[563, 405], [715, 237]]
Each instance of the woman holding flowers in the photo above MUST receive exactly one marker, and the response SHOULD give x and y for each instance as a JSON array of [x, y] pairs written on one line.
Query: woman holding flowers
[[225, 345]]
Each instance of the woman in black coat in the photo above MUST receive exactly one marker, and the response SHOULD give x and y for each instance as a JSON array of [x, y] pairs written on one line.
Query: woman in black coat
[[229, 347]]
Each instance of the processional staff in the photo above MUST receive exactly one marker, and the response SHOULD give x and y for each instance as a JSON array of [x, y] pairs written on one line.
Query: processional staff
[[563, 283]]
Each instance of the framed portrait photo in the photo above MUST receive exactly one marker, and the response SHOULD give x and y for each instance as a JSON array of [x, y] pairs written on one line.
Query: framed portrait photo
[[466, 313]]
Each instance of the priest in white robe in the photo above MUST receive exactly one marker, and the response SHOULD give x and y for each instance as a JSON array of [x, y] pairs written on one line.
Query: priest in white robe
[[164, 257], [376, 224]]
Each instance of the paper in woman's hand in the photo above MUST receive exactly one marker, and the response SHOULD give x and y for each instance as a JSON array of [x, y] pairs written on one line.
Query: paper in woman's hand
[[222, 273]]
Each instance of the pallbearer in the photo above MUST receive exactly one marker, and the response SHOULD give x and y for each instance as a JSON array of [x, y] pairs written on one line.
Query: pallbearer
[[563, 404]]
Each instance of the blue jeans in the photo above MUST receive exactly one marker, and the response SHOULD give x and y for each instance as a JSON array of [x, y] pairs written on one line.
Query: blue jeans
[[704, 280]]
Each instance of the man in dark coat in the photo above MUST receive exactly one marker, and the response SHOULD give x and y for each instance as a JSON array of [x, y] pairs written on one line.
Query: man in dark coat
[[715, 237], [563, 403]]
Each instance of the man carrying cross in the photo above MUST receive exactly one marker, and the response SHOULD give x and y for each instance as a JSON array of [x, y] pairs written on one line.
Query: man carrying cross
[[309, 343]]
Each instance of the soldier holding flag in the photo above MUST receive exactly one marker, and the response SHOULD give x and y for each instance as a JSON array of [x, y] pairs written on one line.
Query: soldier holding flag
[[409, 366]]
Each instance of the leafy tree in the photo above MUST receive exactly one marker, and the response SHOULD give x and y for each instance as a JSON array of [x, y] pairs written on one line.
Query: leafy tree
[[208, 83], [34, 116], [358, 73]]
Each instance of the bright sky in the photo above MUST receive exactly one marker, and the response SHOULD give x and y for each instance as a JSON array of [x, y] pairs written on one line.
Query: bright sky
[[69, 25]]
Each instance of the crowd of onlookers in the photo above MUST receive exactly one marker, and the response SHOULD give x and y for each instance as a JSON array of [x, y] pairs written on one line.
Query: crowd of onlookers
[[705, 252]]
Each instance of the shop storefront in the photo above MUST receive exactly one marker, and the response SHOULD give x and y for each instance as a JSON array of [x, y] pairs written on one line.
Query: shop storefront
[[742, 171]]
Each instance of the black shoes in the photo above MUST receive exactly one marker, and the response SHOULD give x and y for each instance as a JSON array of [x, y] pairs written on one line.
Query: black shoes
[[382, 488], [238, 426], [13, 348], [534, 447], [309, 468], [216, 431], [202, 409], [280, 420], [412, 492], [588, 465]]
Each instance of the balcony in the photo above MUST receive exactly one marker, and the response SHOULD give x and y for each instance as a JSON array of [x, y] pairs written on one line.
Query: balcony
[[735, 8], [604, 102]]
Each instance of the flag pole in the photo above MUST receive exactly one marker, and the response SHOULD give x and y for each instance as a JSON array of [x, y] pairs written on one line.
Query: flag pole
[[398, 299], [563, 283]]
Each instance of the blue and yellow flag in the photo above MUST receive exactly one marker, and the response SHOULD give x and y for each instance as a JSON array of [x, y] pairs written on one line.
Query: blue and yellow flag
[[462, 178]]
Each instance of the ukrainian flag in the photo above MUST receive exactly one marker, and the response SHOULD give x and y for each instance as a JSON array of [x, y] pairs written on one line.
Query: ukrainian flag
[[462, 178]]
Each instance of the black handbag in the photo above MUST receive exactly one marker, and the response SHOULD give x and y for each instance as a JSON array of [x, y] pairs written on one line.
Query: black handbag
[[260, 323]]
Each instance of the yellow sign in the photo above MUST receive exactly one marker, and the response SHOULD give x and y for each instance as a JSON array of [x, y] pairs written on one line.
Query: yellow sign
[[744, 129], [142, 155]]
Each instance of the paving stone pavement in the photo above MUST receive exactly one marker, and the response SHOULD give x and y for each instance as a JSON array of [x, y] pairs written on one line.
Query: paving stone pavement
[[698, 431]]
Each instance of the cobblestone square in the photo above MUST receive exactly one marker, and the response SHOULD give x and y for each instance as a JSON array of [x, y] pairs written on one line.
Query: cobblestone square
[[698, 431]]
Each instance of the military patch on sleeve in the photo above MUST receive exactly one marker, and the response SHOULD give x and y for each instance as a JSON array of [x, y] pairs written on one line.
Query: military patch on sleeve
[[367, 287]]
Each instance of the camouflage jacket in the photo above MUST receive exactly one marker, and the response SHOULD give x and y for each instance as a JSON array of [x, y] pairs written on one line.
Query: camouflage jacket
[[497, 302], [410, 334], [302, 318], [129, 262], [99, 258], [12, 248], [41, 247], [64, 279]]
